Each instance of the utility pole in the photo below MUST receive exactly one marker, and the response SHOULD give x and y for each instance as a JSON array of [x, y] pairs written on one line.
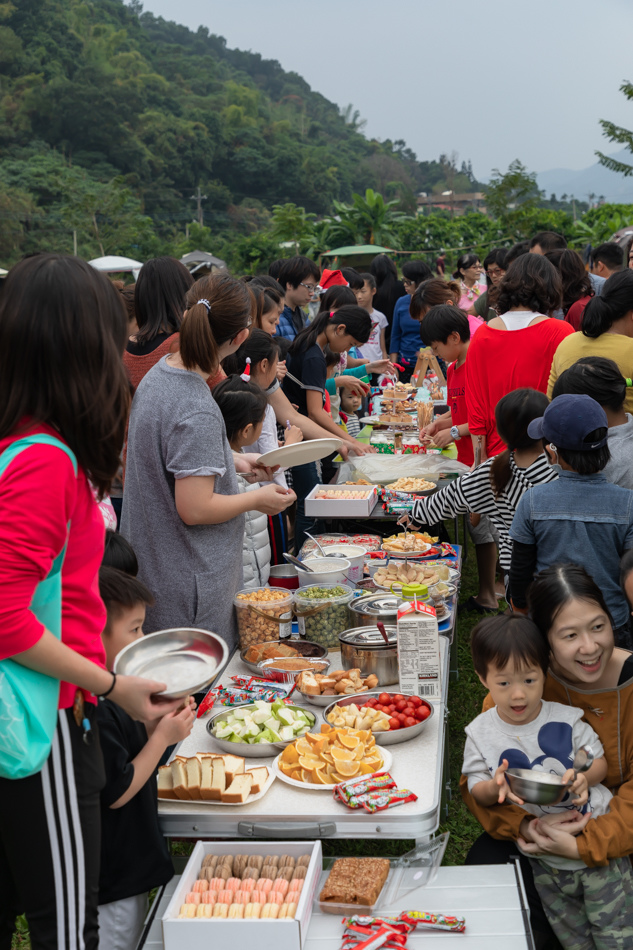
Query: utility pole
[[199, 198]]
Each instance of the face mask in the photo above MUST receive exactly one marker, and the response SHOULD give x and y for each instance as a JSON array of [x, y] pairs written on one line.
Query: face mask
[[554, 465]]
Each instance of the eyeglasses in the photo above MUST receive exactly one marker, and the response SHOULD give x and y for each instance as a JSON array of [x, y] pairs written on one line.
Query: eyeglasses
[[310, 287], [410, 283]]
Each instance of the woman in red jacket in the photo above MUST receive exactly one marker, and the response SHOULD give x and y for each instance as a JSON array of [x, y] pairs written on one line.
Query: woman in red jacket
[[514, 350], [63, 387]]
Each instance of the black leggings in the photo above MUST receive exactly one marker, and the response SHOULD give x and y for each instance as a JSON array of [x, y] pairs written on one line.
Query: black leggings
[[50, 839], [487, 850]]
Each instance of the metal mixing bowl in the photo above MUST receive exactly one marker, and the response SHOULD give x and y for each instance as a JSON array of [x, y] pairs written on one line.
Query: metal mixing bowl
[[253, 750], [393, 737], [184, 658], [537, 788]]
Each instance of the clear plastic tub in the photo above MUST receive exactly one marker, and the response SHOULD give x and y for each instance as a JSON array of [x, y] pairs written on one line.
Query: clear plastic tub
[[323, 613], [263, 614], [407, 875]]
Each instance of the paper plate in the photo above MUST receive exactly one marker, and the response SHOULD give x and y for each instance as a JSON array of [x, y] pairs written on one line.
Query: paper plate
[[301, 453], [387, 759]]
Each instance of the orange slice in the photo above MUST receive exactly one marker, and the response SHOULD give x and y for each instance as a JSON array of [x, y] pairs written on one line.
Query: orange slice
[[289, 755], [348, 769], [341, 755], [311, 762], [350, 742], [366, 769], [359, 753], [303, 747]]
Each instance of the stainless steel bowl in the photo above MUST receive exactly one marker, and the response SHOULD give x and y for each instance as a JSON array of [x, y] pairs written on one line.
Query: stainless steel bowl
[[184, 658], [537, 788], [382, 738], [306, 648], [364, 648], [315, 700], [252, 750]]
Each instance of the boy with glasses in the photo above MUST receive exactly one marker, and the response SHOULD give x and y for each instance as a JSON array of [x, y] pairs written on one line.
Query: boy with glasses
[[299, 276]]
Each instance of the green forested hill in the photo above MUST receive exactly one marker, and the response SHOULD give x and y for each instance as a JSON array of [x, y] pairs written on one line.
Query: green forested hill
[[111, 118]]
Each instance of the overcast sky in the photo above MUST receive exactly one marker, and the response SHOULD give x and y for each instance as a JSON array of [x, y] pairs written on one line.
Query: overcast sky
[[492, 81]]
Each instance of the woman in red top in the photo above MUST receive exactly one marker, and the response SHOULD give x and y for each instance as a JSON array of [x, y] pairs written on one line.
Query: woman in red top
[[62, 333], [515, 349]]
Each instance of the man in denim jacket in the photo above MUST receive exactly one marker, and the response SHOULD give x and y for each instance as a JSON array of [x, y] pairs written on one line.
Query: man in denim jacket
[[580, 517]]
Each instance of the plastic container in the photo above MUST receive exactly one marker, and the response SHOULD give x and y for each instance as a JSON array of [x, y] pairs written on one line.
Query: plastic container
[[355, 554], [415, 592], [325, 612], [325, 570], [263, 614]]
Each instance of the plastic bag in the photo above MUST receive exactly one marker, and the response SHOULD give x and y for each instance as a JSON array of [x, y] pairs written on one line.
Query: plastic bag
[[381, 469]]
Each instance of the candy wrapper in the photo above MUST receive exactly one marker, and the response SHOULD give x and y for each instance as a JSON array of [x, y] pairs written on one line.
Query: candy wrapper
[[377, 781], [448, 550], [240, 696], [255, 683], [421, 918], [374, 793], [370, 933]]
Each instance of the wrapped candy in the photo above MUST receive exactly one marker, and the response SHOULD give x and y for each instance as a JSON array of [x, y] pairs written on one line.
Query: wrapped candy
[[370, 933], [421, 918], [375, 782]]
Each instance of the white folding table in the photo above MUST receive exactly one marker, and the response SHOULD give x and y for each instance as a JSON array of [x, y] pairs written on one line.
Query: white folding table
[[289, 812], [490, 897]]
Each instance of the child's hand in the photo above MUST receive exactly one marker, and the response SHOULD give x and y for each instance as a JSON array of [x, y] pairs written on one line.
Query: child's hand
[[293, 435], [499, 779], [176, 726], [281, 370], [580, 788]]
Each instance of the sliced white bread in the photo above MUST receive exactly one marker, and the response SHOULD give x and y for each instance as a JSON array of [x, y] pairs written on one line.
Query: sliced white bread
[[233, 765], [179, 776], [165, 782], [218, 782], [260, 777], [206, 775], [192, 767], [239, 789]]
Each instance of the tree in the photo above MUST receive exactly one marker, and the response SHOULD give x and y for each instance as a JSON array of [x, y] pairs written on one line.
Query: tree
[[516, 189], [291, 223], [616, 133], [369, 219]]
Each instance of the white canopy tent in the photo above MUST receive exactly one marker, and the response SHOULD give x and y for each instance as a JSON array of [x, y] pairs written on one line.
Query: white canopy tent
[[116, 265]]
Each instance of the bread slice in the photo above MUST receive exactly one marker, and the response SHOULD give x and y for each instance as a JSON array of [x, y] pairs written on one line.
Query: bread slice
[[192, 768], [165, 782], [239, 789], [218, 780], [179, 776], [260, 777], [308, 685], [206, 775], [233, 765]]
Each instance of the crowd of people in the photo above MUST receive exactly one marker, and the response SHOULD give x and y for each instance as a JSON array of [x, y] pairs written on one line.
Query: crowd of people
[[144, 411]]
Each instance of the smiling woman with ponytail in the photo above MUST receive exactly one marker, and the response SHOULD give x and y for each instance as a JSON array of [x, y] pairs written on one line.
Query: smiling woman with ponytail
[[606, 330], [183, 512]]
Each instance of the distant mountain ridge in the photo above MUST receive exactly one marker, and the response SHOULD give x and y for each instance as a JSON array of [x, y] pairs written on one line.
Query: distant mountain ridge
[[594, 180]]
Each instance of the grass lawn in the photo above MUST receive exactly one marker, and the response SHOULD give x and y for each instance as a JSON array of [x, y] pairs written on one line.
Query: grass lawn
[[465, 696]]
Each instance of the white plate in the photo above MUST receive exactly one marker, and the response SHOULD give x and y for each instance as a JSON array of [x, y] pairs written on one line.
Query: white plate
[[443, 623], [272, 775], [417, 553], [387, 759], [300, 453]]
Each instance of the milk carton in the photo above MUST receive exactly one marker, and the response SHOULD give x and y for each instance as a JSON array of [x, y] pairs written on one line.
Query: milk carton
[[419, 651]]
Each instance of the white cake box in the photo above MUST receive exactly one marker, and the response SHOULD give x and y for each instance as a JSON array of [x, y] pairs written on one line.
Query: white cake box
[[201, 933], [333, 507]]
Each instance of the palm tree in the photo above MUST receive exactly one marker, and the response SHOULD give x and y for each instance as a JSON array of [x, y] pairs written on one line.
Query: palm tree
[[369, 219]]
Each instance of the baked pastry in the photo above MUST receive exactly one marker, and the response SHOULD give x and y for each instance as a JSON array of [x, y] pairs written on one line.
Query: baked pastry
[[269, 871], [210, 860], [250, 874], [271, 859], [356, 881], [303, 861], [255, 861], [286, 861], [299, 872]]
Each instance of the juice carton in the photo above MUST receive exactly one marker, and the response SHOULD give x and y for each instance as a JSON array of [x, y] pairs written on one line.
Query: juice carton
[[419, 651]]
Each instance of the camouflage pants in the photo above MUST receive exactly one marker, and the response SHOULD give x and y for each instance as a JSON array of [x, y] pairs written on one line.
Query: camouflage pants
[[591, 908]]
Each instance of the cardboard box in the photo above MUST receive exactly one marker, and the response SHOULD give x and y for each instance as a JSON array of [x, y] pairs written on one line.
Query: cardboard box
[[202, 933], [334, 507]]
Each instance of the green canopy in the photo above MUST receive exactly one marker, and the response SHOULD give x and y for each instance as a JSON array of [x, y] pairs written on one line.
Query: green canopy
[[358, 250]]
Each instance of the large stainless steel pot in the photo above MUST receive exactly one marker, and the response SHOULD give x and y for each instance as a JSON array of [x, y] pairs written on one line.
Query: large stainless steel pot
[[364, 648], [371, 608]]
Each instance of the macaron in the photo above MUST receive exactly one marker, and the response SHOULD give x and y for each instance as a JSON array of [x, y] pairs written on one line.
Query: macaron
[[236, 911], [281, 886], [225, 897], [272, 859], [204, 910], [304, 860], [210, 897], [253, 910], [286, 873], [193, 897], [233, 884], [255, 861], [241, 897], [248, 885], [286, 861], [265, 884], [299, 872], [188, 910], [288, 910], [270, 910], [250, 874], [200, 886], [221, 910], [296, 887], [275, 898]]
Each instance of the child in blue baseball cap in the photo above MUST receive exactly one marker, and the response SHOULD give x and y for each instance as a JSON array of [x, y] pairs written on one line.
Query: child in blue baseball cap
[[580, 517]]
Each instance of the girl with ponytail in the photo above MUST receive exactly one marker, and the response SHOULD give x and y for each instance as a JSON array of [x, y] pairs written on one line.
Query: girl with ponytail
[[606, 330], [183, 511], [304, 385]]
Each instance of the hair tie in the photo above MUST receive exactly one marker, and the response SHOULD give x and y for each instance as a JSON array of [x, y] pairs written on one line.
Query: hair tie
[[629, 382], [206, 303], [246, 375]]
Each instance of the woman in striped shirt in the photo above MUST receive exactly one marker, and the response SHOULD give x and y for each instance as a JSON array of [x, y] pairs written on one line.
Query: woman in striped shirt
[[495, 487]]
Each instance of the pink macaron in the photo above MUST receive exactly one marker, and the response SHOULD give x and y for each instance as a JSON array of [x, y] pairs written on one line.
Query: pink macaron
[[216, 884], [281, 886], [296, 887], [209, 897], [200, 886], [265, 885], [193, 897], [234, 884], [225, 897], [248, 885]]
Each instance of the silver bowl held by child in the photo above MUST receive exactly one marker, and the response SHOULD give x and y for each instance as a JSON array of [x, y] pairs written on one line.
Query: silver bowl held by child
[[537, 788]]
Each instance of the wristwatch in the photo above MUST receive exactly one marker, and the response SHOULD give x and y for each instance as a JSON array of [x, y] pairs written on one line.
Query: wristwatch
[[455, 433]]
